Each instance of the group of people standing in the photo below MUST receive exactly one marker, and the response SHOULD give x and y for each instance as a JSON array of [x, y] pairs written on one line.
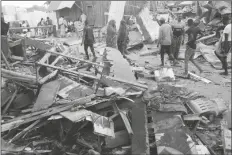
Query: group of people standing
[[114, 39], [171, 36], [41, 31], [118, 40], [72, 26]]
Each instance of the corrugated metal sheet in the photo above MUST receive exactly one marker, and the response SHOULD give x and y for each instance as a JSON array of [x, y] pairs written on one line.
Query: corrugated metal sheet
[[65, 4], [54, 5]]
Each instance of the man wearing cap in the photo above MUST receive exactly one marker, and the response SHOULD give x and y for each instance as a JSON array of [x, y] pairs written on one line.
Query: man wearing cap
[[178, 36], [165, 40]]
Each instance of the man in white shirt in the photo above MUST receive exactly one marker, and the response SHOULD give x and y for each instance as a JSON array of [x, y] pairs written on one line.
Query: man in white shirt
[[165, 40], [224, 46], [24, 24]]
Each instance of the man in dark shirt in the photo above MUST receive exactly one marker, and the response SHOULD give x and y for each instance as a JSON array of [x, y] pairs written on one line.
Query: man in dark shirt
[[88, 39], [192, 32]]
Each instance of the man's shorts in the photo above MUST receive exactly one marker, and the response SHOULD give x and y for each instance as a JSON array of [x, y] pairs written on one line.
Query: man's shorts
[[189, 53]]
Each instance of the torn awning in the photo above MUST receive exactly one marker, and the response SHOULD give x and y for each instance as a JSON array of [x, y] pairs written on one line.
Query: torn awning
[[57, 5]]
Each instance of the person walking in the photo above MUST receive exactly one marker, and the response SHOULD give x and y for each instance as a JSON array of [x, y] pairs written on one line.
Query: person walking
[[224, 45], [123, 38], [192, 33], [88, 40], [178, 37], [111, 34], [165, 40]]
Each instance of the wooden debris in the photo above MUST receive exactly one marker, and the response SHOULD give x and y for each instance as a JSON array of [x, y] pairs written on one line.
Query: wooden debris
[[194, 76], [11, 100], [124, 119], [18, 76], [49, 112], [20, 134], [48, 77], [226, 141]]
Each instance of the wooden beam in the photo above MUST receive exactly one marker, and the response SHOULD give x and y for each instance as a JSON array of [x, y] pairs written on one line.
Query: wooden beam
[[89, 62], [21, 28], [17, 76], [68, 71]]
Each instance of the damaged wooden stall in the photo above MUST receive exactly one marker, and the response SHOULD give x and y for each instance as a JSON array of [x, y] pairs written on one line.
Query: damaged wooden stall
[[66, 101]]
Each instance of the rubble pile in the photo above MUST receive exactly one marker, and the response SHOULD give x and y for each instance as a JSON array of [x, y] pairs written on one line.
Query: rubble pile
[[54, 102]]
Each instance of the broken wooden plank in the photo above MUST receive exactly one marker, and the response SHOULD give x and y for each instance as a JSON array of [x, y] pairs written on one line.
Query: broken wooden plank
[[89, 62], [11, 100], [140, 139], [45, 58], [65, 70], [194, 76], [47, 95], [84, 143], [20, 134], [10, 147], [35, 27], [49, 112], [58, 58], [48, 77], [94, 77], [15, 43], [124, 119], [17, 58], [15, 75], [5, 60], [226, 141], [81, 101]]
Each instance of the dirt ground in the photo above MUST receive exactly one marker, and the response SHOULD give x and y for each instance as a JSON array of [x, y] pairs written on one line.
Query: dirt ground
[[219, 88]]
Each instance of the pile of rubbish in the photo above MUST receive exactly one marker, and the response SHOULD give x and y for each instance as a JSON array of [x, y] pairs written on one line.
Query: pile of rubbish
[[55, 102]]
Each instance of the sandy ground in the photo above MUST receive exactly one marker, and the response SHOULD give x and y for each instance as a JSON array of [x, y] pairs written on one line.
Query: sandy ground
[[219, 88]]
